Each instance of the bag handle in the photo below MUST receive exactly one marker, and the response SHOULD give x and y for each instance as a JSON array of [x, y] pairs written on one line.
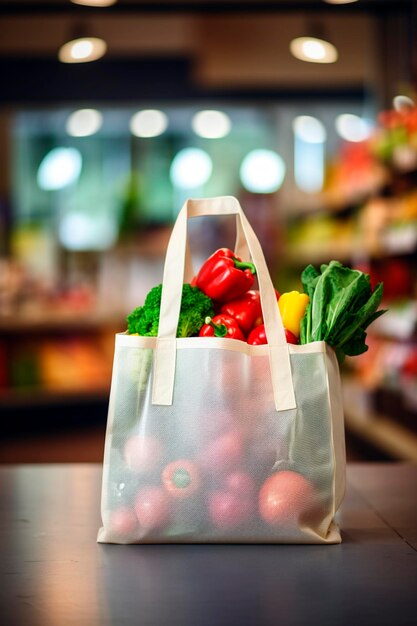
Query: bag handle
[[165, 352], [241, 250]]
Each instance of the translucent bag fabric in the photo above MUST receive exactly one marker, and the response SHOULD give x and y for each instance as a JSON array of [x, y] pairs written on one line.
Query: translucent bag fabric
[[213, 440]]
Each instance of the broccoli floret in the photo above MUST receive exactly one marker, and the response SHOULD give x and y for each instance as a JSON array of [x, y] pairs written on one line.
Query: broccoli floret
[[140, 322], [189, 323], [153, 299], [195, 307]]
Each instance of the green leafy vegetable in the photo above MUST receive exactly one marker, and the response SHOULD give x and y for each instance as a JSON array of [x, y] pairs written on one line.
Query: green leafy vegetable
[[342, 305], [195, 307]]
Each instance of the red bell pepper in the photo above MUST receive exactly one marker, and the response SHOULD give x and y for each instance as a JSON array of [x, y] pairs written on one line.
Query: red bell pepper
[[181, 478], [221, 326], [246, 310], [224, 276], [258, 336]]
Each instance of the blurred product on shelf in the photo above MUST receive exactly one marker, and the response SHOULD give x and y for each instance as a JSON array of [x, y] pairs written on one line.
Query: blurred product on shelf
[[16, 286], [395, 140], [369, 219], [53, 340], [72, 364], [354, 174], [24, 293]]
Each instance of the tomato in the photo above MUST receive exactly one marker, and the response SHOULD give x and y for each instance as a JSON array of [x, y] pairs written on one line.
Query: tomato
[[220, 421], [284, 496], [143, 453], [152, 507], [240, 483], [123, 521], [224, 453], [181, 478], [227, 509]]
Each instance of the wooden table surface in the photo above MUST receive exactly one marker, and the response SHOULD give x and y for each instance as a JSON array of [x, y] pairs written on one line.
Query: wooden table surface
[[54, 573]]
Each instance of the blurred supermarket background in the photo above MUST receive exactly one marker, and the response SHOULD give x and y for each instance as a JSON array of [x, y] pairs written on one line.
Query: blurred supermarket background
[[317, 137]]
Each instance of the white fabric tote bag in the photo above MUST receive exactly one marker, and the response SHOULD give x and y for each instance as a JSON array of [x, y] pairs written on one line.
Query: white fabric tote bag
[[213, 440]]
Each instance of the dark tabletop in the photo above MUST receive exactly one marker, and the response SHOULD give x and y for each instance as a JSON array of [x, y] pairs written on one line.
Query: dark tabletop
[[54, 573]]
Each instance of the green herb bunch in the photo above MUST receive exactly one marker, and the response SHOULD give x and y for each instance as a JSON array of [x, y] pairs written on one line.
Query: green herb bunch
[[342, 305]]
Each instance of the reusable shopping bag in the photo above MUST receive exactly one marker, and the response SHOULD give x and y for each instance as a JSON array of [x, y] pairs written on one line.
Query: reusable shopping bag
[[215, 440]]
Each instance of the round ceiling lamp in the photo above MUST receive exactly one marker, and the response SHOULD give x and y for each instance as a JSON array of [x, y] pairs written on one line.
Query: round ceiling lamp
[[148, 123], [82, 50], [84, 123], [403, 103], [340, 1], [352, 127], [262, 171], [313, 50], [314, 46], [211, 124], [309, 129], [95, 3], [80, 231], [191, 168], [59, 168]]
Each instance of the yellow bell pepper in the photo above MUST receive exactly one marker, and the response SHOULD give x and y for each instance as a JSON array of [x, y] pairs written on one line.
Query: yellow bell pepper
[[292, 306]]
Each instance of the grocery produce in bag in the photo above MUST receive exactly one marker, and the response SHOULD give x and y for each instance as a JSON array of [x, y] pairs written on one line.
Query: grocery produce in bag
[[226, 466]]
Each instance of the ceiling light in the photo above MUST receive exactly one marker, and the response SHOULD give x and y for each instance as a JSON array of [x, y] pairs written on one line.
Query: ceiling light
[[315, 45], [340, 1], [403, 103], [82, 50], [78, 231], [190, 168], [84, 122], [309, 129], [308, 165], [95, 3], [262, 171], [313, 50], [148, 123], [352, 127], [59, 168], [211, 124]]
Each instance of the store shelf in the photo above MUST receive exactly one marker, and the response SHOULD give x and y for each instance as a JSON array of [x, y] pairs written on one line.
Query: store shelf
[[393, 243], [368, 220], [384, 433], [26, 397], [316, 252], [381, 431], [57, 359], [61, 321]]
